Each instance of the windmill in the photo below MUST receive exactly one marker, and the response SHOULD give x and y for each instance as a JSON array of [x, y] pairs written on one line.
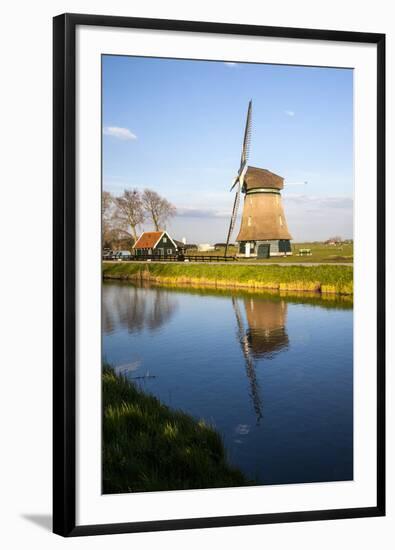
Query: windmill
[[263, 230], [239, 179]]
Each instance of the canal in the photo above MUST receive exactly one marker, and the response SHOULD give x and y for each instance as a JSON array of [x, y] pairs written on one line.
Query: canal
[[273, 374]]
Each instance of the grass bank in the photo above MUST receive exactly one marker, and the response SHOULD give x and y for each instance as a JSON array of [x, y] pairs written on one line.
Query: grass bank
[[149, 447], [325, 279], [329, 301]]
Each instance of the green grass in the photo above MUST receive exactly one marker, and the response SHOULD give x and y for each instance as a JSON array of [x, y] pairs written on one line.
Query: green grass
[[331, 279], [328, 301], [149, 447], [321, 252]]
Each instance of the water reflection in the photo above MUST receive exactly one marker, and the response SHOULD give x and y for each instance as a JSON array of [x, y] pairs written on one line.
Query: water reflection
[[265, 335], [260, 325], [266, 327], [128, 307]]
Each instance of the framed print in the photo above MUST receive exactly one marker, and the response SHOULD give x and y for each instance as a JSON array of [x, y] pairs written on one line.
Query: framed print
[[219, 275]]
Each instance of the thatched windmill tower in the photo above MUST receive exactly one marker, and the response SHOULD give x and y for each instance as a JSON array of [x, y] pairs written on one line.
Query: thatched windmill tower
[[263, 231]]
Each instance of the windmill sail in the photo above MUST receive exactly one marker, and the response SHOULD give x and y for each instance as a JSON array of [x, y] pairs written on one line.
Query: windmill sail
[[234, 214], [240, 175], [247, 139]]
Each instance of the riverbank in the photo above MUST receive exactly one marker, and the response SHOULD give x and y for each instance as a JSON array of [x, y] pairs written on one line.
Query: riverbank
[[324, 279], [329, 301], [149, 447]]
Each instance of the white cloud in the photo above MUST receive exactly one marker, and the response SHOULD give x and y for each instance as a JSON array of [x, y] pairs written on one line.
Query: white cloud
[[121, 133], [229, 63], [203, 213], [290, 113]]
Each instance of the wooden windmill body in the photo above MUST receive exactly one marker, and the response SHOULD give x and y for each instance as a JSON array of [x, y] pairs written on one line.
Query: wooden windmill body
[[263, 230]]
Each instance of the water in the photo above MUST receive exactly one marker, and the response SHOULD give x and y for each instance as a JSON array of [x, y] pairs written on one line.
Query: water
[[274, 375]]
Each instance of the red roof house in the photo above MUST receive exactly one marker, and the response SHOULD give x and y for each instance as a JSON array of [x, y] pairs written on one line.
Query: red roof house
[[155, 242]]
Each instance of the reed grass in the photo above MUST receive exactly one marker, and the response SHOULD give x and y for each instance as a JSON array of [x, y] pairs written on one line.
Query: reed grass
[[325, 279], [329, 300]]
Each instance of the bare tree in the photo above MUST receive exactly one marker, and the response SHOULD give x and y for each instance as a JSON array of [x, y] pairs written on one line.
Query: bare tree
[[129, 212], [157, 208], [107, 211]]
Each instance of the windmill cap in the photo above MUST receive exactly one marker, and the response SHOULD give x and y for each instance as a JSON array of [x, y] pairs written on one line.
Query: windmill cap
[[256, 178]]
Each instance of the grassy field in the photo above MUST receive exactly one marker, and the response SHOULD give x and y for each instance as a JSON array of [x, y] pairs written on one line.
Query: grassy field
[[320, 252], [321, 278], [149, 447]]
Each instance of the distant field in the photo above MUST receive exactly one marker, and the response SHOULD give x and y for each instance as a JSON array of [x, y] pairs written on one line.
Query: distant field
[[320, 252]]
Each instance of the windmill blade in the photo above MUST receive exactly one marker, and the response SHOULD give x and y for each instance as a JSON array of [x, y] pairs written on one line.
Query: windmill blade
[[236, 179], [247, 138], [239, 179], [242, 175], [235, 209], [234, 215]]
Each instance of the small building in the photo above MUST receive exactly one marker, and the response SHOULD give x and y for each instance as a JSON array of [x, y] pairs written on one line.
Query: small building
[[155, 243], [334, 242], [205, 247], [180, 245]]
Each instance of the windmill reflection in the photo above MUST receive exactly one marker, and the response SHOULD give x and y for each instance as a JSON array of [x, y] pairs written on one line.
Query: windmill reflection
[[263, 337], [136, 308]]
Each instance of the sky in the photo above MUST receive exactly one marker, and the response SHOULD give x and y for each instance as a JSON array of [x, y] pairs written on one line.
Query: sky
[[176, 126]]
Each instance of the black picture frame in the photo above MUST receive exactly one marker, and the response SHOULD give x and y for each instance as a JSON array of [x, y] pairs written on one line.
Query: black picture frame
[[64, 273]]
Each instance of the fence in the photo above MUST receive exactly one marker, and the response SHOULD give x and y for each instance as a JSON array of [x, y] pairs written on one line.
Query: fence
[[178, 258]]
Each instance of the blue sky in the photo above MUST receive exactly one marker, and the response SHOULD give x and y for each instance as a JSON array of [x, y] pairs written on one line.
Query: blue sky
[[176, 126]]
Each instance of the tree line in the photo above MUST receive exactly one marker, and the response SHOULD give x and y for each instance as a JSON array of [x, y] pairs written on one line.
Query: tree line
[[123, 215]]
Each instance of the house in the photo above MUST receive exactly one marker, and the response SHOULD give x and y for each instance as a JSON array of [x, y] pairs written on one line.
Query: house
[[155, 243], [334, 241], [183, 245]]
